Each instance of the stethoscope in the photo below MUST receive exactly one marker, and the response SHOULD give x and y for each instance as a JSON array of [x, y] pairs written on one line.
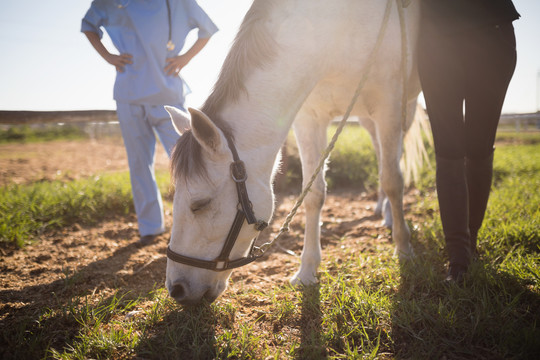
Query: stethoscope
[[170, 44]]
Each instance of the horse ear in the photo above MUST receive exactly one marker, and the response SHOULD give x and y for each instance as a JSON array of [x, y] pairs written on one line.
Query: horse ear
[[207, 133], [179, 119]]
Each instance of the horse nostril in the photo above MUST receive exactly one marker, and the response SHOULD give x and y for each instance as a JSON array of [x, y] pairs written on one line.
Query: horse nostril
[[209, 297], [178, 292], [183, 295]]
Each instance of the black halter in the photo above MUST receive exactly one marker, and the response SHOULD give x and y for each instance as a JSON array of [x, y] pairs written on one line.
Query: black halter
[[245, 212]]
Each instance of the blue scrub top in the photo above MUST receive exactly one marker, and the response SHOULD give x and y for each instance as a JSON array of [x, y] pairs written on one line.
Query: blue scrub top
[[141, 28]]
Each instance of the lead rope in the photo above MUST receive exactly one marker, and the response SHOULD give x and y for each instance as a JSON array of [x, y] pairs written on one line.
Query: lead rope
[[400, 4]]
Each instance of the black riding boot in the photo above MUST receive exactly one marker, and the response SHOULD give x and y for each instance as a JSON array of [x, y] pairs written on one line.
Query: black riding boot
[[479, 175], [453, 204]]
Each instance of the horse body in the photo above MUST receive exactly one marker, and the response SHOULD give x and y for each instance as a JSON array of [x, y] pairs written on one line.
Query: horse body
[[292, 61]]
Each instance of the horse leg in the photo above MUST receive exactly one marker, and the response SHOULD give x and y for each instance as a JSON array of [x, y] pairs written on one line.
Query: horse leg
[[311, 140], [383, 206], [390, 138]]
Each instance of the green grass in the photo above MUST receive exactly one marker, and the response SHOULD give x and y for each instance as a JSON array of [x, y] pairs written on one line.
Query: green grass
[[352, 163], [353, 160], [30, 210], [367, 305], [25, 133], [518, 138]]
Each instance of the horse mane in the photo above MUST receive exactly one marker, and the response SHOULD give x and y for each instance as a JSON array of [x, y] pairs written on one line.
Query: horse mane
[[252, 48]]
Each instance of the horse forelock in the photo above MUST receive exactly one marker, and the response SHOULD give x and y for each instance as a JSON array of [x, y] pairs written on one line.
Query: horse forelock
[[252, 48], [187, 156]]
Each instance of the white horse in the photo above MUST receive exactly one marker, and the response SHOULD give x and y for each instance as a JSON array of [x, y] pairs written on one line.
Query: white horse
[[292, 61]]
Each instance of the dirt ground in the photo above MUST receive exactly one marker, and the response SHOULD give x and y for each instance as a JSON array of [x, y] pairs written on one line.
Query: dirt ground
[[83, 260], [65, 160]]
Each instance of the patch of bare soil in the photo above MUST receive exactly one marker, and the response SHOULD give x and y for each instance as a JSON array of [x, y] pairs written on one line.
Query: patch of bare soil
[[64, 160], [98, 260]]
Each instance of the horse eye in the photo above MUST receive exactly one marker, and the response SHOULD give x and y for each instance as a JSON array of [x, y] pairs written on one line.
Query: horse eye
[[199, 205]]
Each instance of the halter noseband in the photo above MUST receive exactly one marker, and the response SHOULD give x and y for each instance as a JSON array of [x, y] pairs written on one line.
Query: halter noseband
[[245, 212]]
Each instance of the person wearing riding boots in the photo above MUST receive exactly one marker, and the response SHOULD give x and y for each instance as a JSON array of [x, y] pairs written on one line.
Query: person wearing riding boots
[[467, 56], [149, 36]]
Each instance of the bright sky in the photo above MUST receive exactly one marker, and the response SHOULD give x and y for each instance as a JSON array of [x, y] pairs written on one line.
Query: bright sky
[[47, 64]]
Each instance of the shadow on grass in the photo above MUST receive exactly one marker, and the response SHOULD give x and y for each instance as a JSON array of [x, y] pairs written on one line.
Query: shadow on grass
[[491, 316], [188, 333], [46, 316], [312, 346]]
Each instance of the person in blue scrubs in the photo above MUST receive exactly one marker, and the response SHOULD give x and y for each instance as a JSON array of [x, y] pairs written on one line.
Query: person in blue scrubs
[[149, 37]]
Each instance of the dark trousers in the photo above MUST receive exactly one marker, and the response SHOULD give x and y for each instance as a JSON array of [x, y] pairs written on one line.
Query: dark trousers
[[469, 70], [473, 69]]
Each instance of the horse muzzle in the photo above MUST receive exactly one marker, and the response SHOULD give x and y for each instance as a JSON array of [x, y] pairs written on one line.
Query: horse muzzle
[[185, 294]]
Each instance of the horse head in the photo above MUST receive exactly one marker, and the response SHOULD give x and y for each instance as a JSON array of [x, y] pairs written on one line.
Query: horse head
[[206, 210]]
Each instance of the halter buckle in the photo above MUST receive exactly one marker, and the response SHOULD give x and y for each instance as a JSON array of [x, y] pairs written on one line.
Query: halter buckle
[[260, 225], [221, 265], [238, 171]]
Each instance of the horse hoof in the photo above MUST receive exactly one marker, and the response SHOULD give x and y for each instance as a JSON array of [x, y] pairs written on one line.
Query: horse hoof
[[405, 255], [298, 281], [387, 224]]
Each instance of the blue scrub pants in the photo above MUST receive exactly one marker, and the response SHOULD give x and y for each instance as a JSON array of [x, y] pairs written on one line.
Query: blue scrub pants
[[140, 124]]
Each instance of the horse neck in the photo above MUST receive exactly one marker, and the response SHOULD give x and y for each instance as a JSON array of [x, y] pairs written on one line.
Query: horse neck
[[261, 118], [258, 95]]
